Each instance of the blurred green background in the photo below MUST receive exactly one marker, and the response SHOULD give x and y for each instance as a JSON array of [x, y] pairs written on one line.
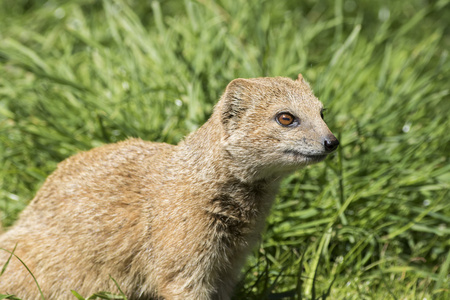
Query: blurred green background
[[370, 223]]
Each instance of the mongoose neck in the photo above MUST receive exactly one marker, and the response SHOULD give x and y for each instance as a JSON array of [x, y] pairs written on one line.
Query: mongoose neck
[[204, 150]]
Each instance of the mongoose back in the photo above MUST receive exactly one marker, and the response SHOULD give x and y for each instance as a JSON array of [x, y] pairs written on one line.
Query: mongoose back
[[168, 222]]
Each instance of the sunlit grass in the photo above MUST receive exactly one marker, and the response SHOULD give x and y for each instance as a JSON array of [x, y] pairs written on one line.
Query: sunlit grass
[[370, 223]]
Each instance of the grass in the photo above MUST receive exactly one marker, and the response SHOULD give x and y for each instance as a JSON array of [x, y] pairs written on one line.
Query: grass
[[370, 223]]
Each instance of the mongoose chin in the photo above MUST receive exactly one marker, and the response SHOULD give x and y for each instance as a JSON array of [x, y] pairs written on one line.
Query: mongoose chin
[[165, 221]]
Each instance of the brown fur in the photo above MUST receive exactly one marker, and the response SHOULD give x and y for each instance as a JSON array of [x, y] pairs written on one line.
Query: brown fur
[[170, 222]]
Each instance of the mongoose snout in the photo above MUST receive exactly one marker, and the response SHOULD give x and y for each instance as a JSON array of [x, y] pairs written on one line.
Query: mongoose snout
[[331, 143], [168, 221]]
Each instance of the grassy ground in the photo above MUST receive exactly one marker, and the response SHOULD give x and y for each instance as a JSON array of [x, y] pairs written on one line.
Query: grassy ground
[[370, 223]]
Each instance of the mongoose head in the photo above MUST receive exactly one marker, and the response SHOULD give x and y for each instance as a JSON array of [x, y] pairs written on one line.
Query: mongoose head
[[276, 123]]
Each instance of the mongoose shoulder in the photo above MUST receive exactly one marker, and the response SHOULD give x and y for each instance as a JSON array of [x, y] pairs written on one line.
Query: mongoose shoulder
[[168, 222]]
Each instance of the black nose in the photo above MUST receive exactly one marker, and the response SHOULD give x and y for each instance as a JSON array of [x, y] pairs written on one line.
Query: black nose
[[330, 143]]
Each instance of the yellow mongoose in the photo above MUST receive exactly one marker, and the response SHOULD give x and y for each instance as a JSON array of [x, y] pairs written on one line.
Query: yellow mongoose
[[168, 222]]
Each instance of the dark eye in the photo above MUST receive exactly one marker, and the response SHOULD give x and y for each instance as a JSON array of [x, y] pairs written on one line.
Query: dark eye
[[285, 119]]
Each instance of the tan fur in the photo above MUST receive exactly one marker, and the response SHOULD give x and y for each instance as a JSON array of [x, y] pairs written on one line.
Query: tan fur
[[169, 222]]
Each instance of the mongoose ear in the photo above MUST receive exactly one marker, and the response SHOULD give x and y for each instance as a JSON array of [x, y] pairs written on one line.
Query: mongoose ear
[[302, 80], [233, 103]]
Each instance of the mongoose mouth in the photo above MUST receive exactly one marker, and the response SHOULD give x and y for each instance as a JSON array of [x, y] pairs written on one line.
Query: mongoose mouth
[[316, 158], [308, 157]]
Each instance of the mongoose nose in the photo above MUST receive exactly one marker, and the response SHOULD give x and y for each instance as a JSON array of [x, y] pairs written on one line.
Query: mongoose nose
[[331, 143]]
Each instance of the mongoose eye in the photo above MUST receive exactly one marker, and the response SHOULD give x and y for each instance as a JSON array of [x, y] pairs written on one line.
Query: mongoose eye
[[285, 119], [321, 112]]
